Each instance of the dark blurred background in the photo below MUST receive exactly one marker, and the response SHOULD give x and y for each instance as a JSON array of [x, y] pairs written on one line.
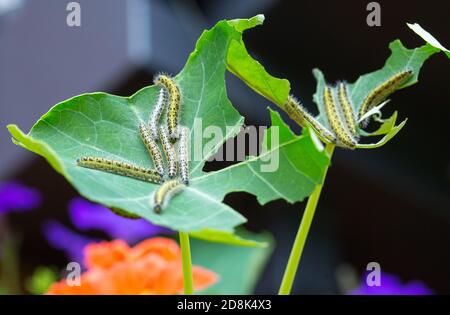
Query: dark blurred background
[[390, 205]]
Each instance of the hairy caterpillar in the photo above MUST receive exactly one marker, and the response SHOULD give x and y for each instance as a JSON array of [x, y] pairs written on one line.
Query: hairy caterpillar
[[382, 91], [156, 113], [173, 110], [164, 192], [300, 115], [344, 137], [152, 148], [347, 107], [120, 168], [183, 155], [169, 152]]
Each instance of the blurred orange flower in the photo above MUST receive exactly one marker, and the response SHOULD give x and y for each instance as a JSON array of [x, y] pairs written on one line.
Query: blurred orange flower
[[150, 267]]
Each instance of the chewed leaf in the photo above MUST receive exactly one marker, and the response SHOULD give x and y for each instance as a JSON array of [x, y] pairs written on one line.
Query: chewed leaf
[[107, 126], [241, 64], [430, 39], [384, 128], [392, 132], [400, 59]]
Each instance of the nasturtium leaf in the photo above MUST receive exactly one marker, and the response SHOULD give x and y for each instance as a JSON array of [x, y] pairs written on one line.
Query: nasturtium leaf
[[400, 59], [248, 263], [105, 125], [241, 64], [430, 39]]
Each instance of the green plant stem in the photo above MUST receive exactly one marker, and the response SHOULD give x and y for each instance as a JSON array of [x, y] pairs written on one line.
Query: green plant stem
[[187, 263], [302, 234]]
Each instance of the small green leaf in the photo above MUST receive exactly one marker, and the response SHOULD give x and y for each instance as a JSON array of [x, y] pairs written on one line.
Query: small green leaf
[[391, 133], [427, 37], [401, 58], [384, 128], [248, 263], [228, 238]]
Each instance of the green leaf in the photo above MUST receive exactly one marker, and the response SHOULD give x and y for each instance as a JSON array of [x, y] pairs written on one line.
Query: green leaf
[[387, 125], [400, 59], [226, 237], [105, 125], [427, 37], [241, 64], [248, 264]]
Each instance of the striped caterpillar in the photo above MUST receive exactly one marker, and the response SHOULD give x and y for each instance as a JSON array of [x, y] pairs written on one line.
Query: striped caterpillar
[[155, 115], [382, 91], [164, 193], [169, 152], [300, 115], [152, 148], [345, 138], [183, 155], [120, 168], [347, 108], [173, 110]]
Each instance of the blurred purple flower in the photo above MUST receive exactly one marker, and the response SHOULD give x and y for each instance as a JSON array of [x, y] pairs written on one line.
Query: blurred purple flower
[[89, 216], [392, 285], [62, 238], [17, 197]]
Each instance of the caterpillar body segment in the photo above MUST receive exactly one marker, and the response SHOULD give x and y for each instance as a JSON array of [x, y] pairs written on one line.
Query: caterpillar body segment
[[164, 193], [158, 109], [382, 91], [169, 151], [337, 124], [120, 168]]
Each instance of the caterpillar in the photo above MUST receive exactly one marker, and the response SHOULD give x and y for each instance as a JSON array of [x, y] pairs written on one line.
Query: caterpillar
[[152, 148], [155, 115], [174, 105], [164, 193], [183, 155], [120, 168], [344, 137], [382, 91], [347, 107], [169, 152], [300, 115]]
